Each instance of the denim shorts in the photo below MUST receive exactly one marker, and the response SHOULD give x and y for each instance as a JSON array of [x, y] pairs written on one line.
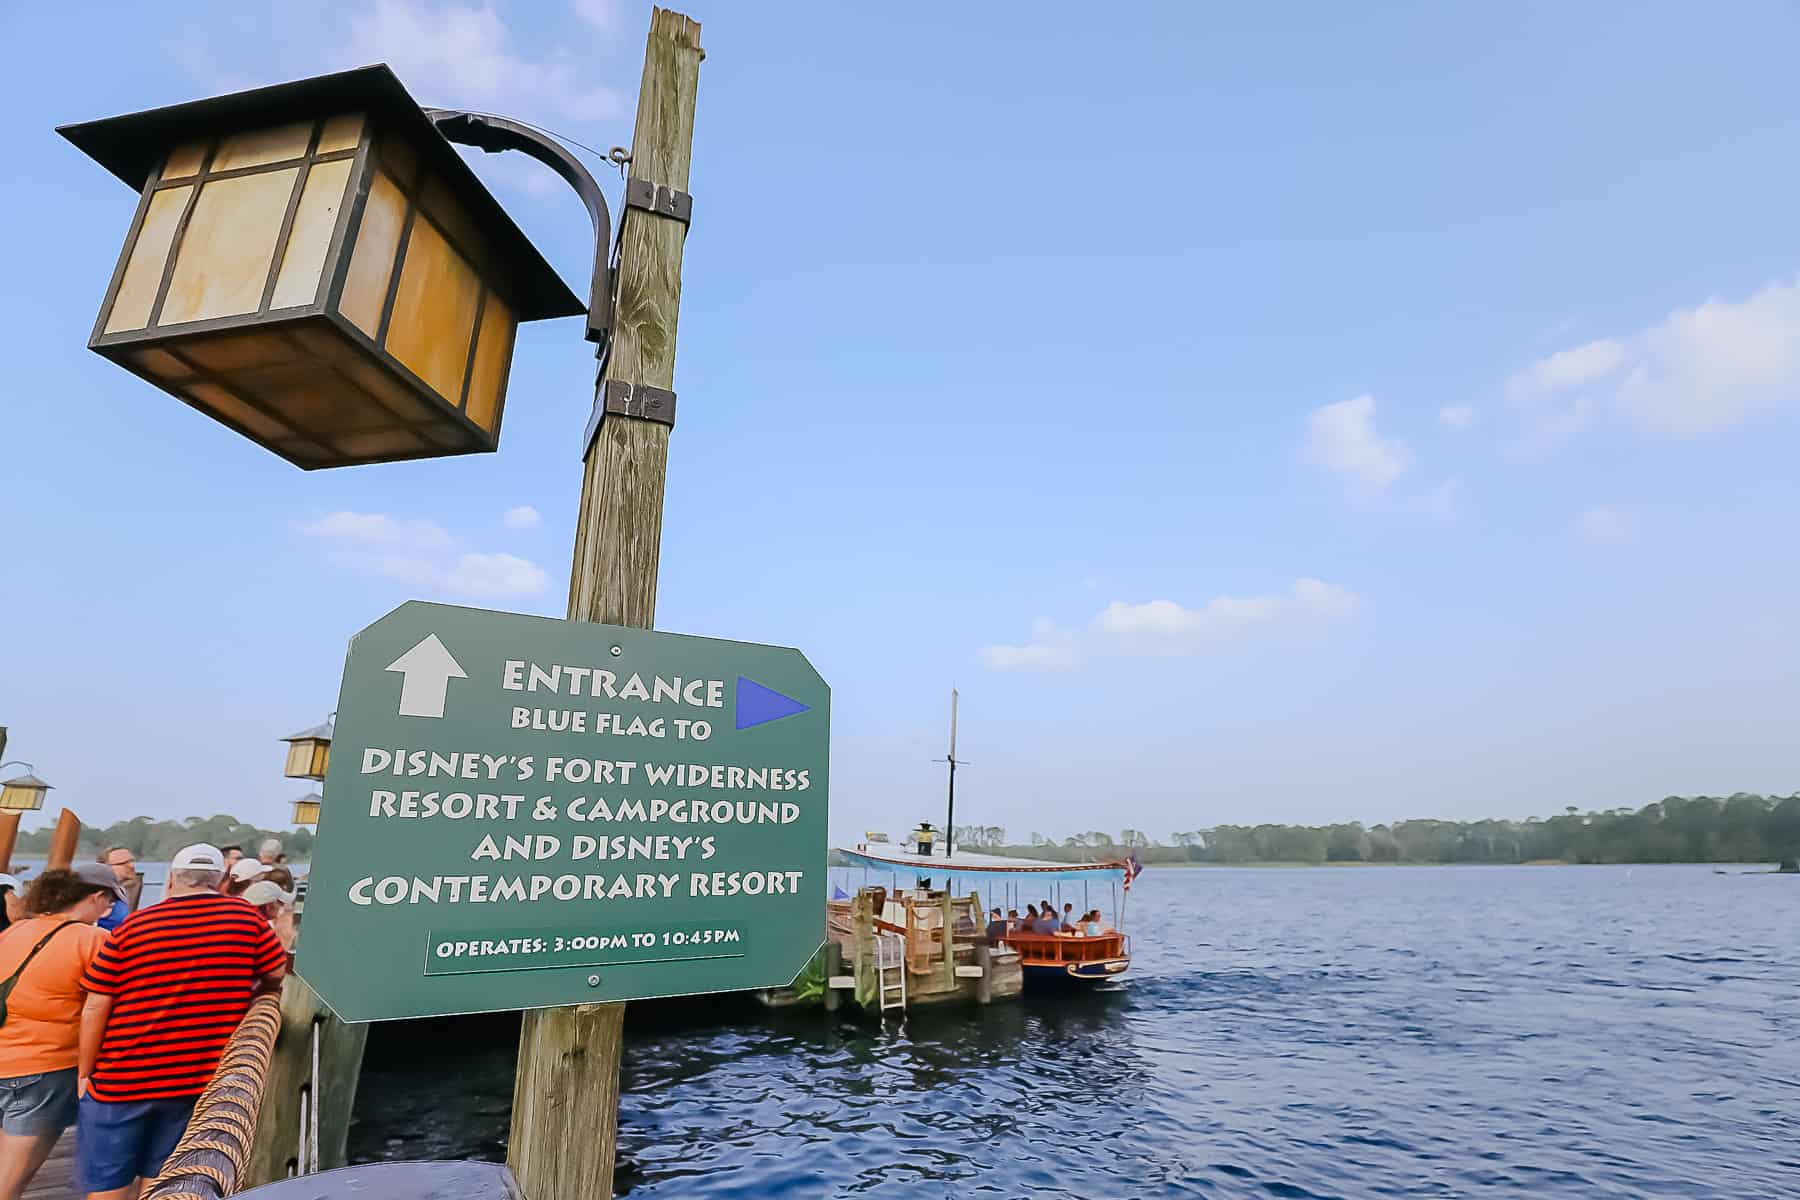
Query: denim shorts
[[33, 1105], [119, 1142]]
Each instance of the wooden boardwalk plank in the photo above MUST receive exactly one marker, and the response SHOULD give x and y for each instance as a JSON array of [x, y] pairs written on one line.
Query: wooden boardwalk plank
[[56, 1181]]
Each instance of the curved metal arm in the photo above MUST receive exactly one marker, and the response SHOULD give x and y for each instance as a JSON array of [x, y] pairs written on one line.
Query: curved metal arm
[[494, 134]]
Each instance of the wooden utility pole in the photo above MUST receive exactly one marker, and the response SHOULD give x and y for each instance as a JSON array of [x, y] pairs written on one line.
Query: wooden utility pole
[[565, 1116]]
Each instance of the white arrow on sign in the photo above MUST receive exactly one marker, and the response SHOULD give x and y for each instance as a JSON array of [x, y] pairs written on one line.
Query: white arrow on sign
[[428, 670]]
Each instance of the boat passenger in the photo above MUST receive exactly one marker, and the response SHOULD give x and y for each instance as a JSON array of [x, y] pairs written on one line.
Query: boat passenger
[[996, 927], [1046, 924], [1013, 924], [1090, 924], [1069, 919]]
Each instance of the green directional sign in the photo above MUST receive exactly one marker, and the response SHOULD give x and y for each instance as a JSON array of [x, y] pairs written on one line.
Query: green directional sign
[[522, 813]]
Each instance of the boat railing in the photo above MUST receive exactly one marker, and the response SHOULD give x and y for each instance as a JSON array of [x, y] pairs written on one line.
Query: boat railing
[[1066, 948]]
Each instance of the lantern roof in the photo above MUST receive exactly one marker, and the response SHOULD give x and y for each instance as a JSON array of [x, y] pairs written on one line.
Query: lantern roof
[[132, 147], [320, 732], [25, 781], [310, 798]]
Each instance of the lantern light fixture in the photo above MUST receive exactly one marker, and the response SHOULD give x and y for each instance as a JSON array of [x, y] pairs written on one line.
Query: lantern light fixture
[[309, 751], [314, 265], [22, 793], [306, 809]]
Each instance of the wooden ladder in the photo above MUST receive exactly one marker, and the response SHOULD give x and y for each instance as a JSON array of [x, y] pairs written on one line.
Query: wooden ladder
[[890, 971]]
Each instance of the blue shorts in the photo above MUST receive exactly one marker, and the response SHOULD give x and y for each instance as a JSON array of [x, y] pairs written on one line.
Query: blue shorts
[[116, 1143], [33, 1105]]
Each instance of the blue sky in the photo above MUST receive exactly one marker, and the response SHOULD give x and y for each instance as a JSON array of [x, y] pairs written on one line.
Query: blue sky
[[1336, 413]]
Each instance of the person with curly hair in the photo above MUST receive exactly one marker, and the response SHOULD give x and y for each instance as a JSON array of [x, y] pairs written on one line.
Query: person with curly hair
[[42, 961]]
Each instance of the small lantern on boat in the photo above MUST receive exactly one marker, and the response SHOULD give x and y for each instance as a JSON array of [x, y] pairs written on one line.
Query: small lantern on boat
[[309, 752], [313, 265], [23, 793], [306, 809]]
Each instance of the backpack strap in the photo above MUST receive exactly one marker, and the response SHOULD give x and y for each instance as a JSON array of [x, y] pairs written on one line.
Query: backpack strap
[[7, 985]]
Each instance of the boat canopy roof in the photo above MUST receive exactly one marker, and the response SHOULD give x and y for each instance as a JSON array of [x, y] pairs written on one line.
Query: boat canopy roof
[[878, 857]]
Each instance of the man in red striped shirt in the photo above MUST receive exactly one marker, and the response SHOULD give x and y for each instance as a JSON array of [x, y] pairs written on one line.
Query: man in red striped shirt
[[164, 995]]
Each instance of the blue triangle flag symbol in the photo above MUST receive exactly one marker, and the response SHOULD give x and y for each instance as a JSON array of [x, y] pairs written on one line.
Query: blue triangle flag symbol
[[758, 705]]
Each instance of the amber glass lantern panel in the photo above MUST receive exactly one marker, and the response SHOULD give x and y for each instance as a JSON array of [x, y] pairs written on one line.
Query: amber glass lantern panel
[[306, 810], [307, 758], [329, 279], [24, 794]]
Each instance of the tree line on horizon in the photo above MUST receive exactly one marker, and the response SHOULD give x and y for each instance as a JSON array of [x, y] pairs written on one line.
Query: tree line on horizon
[[1743, 827], [157, 841]]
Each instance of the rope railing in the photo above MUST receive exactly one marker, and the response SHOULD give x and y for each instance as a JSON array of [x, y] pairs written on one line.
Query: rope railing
[[208, 1162]]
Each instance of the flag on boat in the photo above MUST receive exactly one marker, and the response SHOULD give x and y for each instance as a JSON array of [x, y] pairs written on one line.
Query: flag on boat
[[838, 893], [1133, 868]]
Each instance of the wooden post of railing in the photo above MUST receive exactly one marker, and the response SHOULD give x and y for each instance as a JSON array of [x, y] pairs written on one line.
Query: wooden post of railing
[[208, 1162], [9, 837], [63, 841], [330, 1082]]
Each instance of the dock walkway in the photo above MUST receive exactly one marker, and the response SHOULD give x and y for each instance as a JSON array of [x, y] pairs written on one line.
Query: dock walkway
[[57, 1179]]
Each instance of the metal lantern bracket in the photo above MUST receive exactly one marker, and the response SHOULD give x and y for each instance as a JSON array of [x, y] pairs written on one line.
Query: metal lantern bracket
[[659, 199], [493, 134], [622, 399]]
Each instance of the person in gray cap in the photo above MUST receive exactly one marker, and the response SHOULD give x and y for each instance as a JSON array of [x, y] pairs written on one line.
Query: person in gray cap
[[42, 960]]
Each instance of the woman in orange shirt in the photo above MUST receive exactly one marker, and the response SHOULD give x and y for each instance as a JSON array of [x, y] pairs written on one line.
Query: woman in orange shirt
[[41, 964]]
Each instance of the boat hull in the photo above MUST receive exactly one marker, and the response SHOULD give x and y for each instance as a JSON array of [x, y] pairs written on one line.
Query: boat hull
[[1067, 976]]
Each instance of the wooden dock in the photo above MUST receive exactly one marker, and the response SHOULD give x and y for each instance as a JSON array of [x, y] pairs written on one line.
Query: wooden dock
[[57, 1179]]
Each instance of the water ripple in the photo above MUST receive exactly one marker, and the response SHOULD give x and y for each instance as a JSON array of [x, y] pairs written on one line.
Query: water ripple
[[1313, 1034]]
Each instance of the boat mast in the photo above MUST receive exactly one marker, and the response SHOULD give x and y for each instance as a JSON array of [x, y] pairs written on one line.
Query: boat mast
[[950, 817]]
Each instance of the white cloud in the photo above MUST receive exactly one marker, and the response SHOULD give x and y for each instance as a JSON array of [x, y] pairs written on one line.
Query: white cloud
[[522, 517], [377, 527], [1166, 627], [495, 575], [1456, 416], [462, 56], [1696, 371], [1050, 647], [1570, 368], [1323, 599], [601, 14], [422, 555], [1604, 525], [1165, 619], [1341, 437]]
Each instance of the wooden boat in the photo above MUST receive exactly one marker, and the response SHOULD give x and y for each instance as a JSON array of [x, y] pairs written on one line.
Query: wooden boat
[[915, 915]]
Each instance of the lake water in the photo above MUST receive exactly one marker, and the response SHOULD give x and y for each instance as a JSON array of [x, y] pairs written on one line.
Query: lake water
[[1427, 1031]]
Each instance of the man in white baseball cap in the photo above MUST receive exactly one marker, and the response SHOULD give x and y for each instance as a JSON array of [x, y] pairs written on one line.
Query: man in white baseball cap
[[163, 996], [197, 857]]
